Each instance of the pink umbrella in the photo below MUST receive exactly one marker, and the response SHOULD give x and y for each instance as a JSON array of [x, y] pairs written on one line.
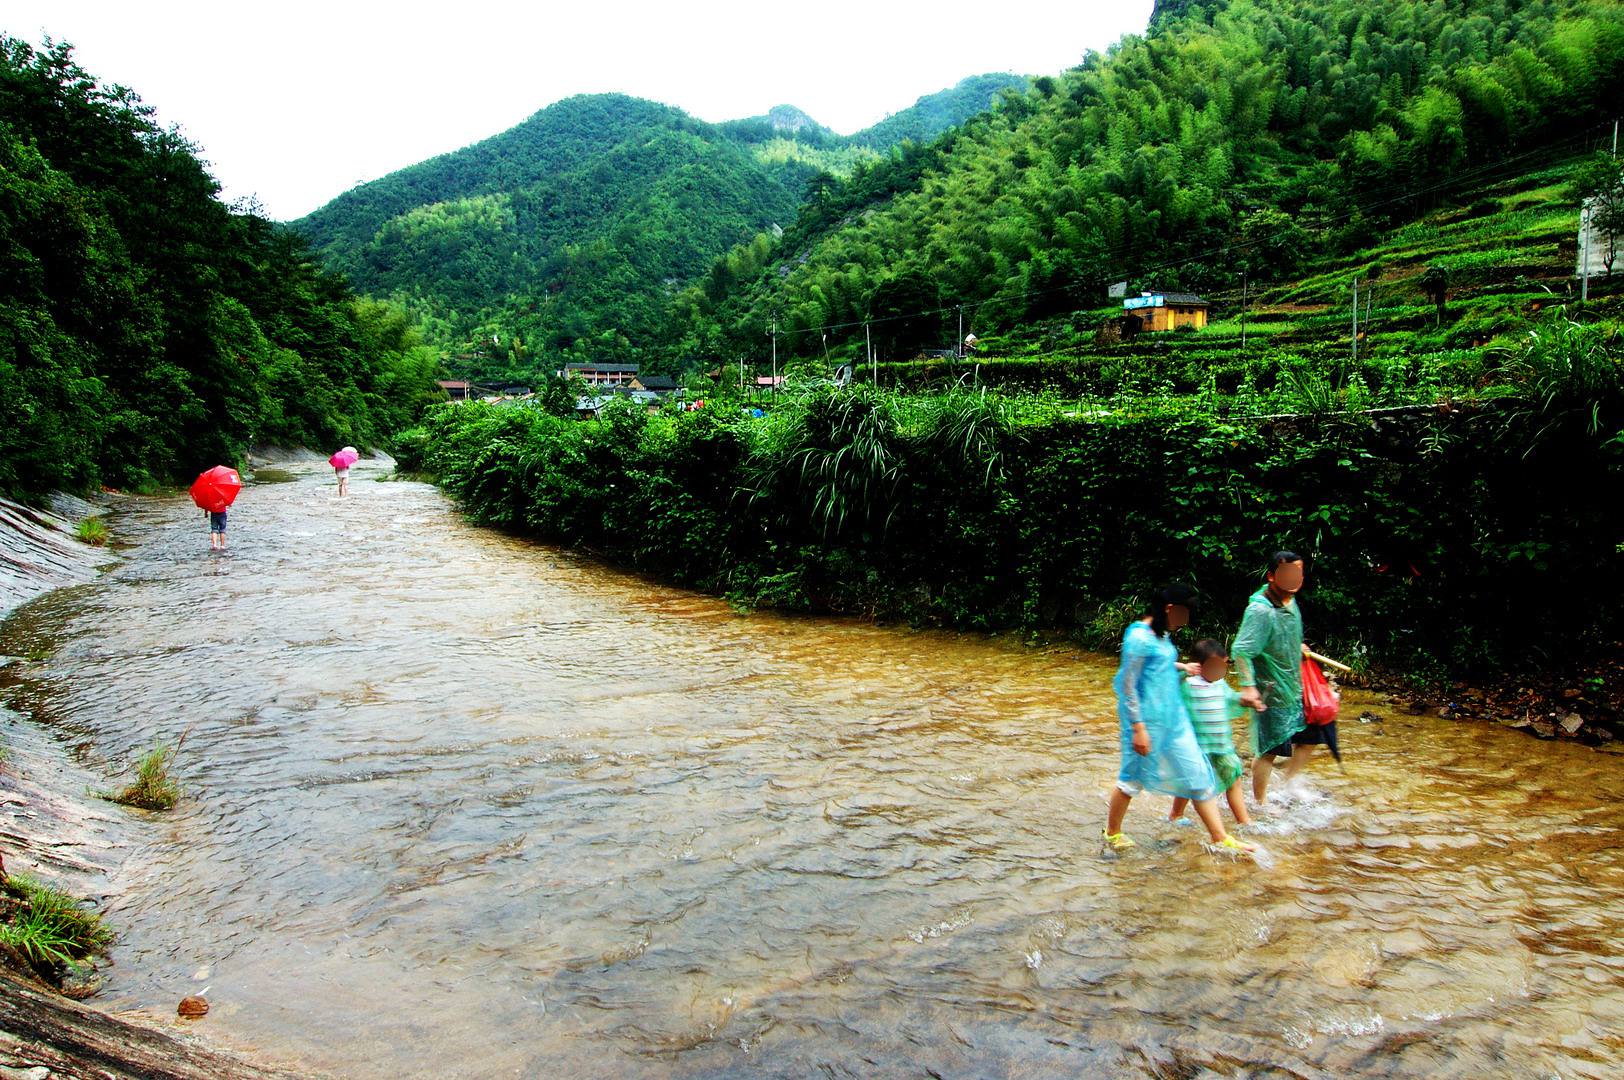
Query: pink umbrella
[[344, 458]]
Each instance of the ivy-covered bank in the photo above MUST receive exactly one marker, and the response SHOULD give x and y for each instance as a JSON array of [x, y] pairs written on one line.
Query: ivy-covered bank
[[1453, 538]]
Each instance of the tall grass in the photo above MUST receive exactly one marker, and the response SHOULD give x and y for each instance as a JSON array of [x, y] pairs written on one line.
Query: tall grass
[[153, 787], [93, 531], [970, 428], [47, 927], [1567, 367], [838, 453]]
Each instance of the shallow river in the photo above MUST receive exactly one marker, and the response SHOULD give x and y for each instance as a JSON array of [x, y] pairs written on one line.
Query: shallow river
[[461, 805]]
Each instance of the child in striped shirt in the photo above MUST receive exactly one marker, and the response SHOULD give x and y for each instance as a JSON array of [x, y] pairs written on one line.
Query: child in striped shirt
[[1214, 706]]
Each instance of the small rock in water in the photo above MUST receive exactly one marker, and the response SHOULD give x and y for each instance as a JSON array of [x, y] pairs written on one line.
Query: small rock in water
[[1572, 723], [1369, 718], [80, 984], [192, 1006]]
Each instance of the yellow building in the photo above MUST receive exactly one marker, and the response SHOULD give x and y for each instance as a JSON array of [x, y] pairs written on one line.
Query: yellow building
[[1167, 310]]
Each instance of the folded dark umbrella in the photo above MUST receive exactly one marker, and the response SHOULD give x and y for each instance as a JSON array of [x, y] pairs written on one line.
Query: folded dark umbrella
[[1330, 741]]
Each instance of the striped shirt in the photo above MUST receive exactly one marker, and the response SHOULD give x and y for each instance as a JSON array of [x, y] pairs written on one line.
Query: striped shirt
[[1212, 707]]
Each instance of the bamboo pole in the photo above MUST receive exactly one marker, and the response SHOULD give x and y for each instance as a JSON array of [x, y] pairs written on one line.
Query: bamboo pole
[[1326, 660]]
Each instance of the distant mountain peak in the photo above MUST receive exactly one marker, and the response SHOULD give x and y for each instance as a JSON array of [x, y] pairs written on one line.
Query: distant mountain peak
[[789, 118]]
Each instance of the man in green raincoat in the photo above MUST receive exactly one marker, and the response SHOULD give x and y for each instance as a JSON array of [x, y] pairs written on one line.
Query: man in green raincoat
[[1268, 653]]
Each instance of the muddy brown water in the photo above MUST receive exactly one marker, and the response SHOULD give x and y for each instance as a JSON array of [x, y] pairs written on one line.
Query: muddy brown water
[[462, 805]]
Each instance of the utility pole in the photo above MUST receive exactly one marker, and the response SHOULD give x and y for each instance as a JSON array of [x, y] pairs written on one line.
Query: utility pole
[[1356, 321], [958, 343], [873, 364], [1243, 310], [775, 354], [741, 376], [1584, 241]]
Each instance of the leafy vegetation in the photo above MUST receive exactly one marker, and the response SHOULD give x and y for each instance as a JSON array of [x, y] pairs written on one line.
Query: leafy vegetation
[[1432, 527], [148, 330], [93, 531]]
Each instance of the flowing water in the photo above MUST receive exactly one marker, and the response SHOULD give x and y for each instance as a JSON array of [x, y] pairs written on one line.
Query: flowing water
[[458, 804]]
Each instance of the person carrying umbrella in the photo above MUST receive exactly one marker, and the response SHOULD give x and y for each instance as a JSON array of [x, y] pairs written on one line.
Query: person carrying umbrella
[[214, 491], [341, 463]]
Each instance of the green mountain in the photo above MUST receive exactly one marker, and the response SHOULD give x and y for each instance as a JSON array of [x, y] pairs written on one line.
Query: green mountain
[[1258, 138], [589, 205], [935, 113], [565, 237]]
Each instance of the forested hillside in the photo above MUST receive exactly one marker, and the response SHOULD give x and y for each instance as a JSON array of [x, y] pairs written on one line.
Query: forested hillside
[[146, 329], [934, 113], [565, 237], [1248, 137]]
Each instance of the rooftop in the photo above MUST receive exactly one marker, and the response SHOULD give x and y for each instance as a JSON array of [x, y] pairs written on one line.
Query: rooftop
[[1163, 299]]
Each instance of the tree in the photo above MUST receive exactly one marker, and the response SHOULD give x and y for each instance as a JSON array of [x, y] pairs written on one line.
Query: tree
[[1598, 183], [151, 330], [1272, 244]]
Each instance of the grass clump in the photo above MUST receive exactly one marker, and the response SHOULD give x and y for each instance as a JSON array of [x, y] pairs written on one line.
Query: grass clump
[[93, 531], [153, 788], [47, 928]]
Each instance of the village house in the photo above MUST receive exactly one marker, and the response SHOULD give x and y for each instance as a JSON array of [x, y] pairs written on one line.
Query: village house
[[1167, 310], [601, 374]]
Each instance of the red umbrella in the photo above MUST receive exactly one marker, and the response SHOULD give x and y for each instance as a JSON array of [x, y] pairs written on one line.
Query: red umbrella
[[344, 458], [216, 489]]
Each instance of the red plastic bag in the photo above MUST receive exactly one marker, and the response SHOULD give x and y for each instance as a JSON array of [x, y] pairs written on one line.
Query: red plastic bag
[[1320, 702]]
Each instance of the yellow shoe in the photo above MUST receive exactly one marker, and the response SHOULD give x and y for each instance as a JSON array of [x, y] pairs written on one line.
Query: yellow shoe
[[1116, 841], [1234, 847]]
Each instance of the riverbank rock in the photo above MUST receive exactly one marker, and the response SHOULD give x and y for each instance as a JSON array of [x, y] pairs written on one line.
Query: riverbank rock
[[1584, 704], [192, 1006], [74, 1042], [39, 551], [38, 1072]]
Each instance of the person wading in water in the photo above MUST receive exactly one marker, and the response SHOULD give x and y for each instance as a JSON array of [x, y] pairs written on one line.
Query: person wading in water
[[1268, 652]]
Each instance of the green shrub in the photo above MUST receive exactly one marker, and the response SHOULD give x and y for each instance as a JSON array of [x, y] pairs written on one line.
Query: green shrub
[[93, 531], [1430, 532]]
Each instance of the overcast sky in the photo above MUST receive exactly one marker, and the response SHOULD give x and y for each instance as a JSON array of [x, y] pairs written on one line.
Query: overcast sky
[[296, 102]]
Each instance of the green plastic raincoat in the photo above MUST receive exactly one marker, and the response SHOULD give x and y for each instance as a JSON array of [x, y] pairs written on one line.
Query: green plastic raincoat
[[1268, 654]]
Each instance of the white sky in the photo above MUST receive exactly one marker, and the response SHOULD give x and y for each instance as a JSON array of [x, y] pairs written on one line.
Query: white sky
[[296, 102]]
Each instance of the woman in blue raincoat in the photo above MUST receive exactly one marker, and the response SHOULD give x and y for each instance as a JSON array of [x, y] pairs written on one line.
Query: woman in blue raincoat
[[1159, 748]]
